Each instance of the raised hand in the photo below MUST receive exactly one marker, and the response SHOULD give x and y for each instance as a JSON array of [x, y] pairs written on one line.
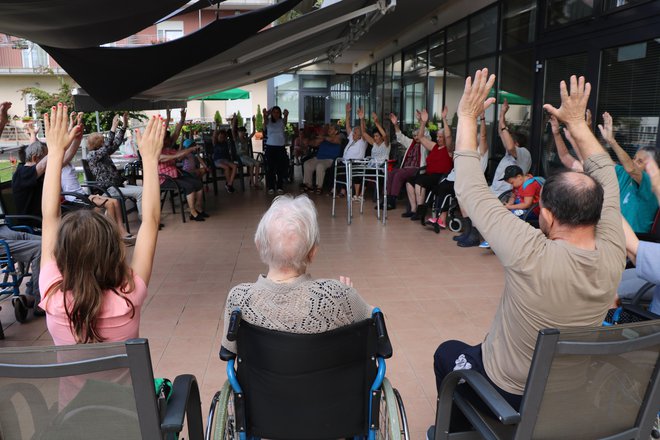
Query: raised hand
[[418, 115], [115, 122], [374, 117], [58, 135], [168, 114], [394, 119], [4, 112], [445, 111], [587, 117], [505, 106], [606, 128], [424, 116], [475, 95], [360, 113], [285, 113], [125, 119], [151, 141], [573, 102], [72, 118], [348, 107], [183, 114], [554, 125]]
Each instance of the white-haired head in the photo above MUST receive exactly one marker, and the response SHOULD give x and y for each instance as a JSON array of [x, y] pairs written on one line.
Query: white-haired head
[[288, 233]]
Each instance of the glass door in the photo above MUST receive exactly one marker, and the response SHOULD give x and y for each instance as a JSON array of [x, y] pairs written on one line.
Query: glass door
[[314, 111]]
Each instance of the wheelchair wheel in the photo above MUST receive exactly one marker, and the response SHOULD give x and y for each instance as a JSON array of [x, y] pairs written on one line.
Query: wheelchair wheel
[[224, 423], [392, 415], [455, 225]]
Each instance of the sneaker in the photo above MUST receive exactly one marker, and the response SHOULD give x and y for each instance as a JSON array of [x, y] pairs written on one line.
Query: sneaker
[[280, 191], [357, 199], [442, 225], [271, 192], [484, 245], [197, 218], [431, 221]]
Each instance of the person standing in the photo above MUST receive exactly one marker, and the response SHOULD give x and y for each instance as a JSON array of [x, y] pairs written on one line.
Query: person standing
[[277, 161]]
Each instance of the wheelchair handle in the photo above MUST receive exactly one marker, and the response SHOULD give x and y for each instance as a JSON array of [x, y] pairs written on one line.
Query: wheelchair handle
[[379, 320], [234, 321]]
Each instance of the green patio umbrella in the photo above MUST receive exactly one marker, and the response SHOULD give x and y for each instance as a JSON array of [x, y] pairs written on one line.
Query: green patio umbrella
[[225, 95], [511, 97]]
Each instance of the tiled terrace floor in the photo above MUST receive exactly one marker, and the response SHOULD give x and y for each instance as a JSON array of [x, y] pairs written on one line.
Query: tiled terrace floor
[[429, 289]]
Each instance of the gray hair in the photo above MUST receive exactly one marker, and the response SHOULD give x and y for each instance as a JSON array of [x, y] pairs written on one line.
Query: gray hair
[[36, 148], [427, 133], [653, 153], [288, 232]]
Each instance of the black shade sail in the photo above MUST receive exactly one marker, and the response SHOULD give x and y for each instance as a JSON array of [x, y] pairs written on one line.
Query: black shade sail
[[111, 75], [81, 23]]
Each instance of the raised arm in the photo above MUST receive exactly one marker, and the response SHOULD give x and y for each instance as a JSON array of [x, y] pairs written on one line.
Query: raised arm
[[58, 137], [73, 148], [564, 156], [381, 130], [4, 115], [285, 115], [607, 131], [654, 174], [597, 162], [179, 126], [449, 140], [168, 118], [32, 132], [423, 119], [254, 127], [348, 118], [234, 126], [363, 127], [483, 138], [503, 129], [400, 137], [179, 154], [149, 144]]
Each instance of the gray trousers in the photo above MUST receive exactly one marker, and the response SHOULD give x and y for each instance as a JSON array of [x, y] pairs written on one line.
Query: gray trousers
[[25, 248]]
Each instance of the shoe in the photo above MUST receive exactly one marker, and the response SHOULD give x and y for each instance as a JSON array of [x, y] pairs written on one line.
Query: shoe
[[160, 226], [415, 217], [390, 207], [357, 199], [230, 189], [467, 228], [280, 191], [204, 214], [431, 221], [271, 192], [472, 240], [38, 312], [198, 218], [484, 245], [406, 214], [442, 225], [430, 433]]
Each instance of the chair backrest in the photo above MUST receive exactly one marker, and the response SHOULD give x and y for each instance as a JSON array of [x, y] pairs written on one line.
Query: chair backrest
[[95, 391], [593, 383], [300, 386], [89, 176]]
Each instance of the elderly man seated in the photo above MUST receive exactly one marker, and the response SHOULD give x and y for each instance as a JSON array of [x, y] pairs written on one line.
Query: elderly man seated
[[329, 148], [562, 276], [287, 298]]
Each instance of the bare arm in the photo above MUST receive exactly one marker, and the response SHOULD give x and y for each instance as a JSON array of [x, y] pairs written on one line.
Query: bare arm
[[449, 140], [386, 137], [73, 148], [506, 137], [4, 115], [525, 204], [483, 139], [149, 144], [632, 242], [426, 142], [654, 174], [564, 156], [607, 131], [58, 138], [179, 126], [179, 155], [348, 118], [285, 114], [363, 127], [234, 126]]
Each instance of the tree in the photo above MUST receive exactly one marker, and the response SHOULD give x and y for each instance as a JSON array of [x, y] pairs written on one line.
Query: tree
[[217, 118], [240, 118], [45, 100], [259, 121]]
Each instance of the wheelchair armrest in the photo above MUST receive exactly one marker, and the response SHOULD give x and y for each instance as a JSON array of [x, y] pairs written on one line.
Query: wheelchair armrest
[[641, 292], [486, 392], [183, 401], [384, 344], [653, 238], [640, 311], [22, 228], [226, 355]]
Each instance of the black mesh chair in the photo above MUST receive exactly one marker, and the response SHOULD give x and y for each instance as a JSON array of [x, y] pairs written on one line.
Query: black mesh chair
[[593, 383], [308, 386], [92, 391]]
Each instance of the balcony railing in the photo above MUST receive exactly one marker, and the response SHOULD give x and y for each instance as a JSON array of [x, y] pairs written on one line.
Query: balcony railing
[[19, 56]]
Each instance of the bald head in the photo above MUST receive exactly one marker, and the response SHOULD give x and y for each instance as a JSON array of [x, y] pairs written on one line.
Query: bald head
[[574, 199]]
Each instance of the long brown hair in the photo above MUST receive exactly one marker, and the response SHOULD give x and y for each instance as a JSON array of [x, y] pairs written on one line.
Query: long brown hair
[[92, 259]]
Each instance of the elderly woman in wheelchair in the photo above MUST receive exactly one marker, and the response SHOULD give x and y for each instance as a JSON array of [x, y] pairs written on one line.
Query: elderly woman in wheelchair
[[305, 357]]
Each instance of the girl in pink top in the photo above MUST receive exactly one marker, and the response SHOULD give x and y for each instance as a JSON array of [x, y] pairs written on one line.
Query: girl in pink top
[[92, 294]]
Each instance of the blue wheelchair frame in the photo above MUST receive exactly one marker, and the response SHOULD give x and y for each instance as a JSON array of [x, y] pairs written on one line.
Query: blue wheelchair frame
[[378, 382]]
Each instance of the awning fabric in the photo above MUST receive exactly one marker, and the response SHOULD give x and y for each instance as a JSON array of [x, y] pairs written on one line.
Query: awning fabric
[[226, 95], [111, 75], [81, 23], [511, 98], [263, 56]]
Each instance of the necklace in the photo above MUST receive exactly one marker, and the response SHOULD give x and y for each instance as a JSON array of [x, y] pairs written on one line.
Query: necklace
[[281, 280]]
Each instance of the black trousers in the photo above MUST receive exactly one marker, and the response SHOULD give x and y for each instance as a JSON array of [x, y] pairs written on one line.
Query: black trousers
[[277, 166]]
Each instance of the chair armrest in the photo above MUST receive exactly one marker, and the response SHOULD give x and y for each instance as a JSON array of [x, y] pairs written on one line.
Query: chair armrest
[[183, 401], [95, 186], [641, 292], [80, 198], [226, 355], [486, 392], [654, 238]]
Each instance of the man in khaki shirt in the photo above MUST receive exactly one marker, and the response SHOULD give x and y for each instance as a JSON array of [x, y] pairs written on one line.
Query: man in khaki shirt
[[564, 275]]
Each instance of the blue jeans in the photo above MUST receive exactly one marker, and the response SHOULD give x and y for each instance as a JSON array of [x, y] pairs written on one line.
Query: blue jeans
[[25, 248]]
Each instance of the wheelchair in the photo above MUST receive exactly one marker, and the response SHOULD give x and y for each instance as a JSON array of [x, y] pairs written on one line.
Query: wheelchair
[[329, 385], [450, 202]]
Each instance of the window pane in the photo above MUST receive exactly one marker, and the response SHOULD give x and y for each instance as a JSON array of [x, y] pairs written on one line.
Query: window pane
[[613, 4], [560, 12], [454, 90], [518, 22], [457, 42], [396, 68], [287, 99], [415, 59], [396, 97], [437, 51], [483, 32], [314, 82], [340, 95], [436, 91], [630, 91]]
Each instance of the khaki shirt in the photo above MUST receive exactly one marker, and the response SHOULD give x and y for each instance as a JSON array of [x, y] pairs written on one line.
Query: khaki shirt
[[548, 283]]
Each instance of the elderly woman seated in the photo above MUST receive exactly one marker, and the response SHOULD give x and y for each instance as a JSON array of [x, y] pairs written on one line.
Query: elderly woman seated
[[287, 298]]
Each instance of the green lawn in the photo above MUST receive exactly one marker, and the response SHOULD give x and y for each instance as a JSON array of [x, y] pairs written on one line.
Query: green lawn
[[6, 171]]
